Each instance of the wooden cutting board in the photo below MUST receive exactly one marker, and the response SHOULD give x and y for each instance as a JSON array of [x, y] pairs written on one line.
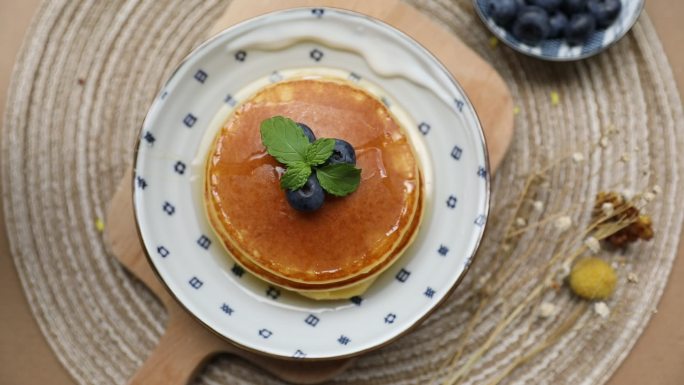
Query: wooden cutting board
[[186, 345]]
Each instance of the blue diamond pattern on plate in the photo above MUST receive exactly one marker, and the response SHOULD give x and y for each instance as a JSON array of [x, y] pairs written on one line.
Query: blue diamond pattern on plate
[[179, 167], [240, 55], [275, 77], [195, 282], [162, 251], [343, 340], [272, 292], [424, 128], [457, 152], [459, 104], [402, 275], [265, 333], [316, 54], [142, 183], [237, 270], [451, 202], [312, 320], [230, 100], [201, 76], [149, 138], [318, 12], [443, 250], [390, 318], [429, 292], [168, 208], [354, 77], [204, 242], [227, 309], [189, 120]]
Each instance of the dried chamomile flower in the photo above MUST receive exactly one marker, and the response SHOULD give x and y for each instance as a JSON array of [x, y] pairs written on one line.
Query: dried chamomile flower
[[538, 206], [602, 309], [592, 279], [649, 196], [578, 157], [627, 194], [608, 209], [632, 278], [611, 200], [547, 309], [562, 223], [592, 244]]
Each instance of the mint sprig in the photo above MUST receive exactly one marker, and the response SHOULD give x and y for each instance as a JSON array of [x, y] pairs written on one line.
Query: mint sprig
[[285, 141]]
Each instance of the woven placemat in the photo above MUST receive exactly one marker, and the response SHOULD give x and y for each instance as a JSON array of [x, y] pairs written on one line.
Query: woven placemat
[[89, 70]]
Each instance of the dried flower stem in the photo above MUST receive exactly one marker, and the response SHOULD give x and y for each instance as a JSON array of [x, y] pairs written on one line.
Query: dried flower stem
[[533, 225], [472, 360], [469, 329], [541, 346]]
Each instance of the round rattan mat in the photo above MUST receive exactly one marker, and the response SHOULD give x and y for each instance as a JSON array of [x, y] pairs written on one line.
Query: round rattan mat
[[89, 69]]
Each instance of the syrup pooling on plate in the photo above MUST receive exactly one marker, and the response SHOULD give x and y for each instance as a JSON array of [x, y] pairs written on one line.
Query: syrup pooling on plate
[[349, 236]]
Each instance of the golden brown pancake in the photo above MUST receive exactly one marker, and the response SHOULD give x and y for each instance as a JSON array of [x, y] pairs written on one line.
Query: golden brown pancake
[[349, 240]]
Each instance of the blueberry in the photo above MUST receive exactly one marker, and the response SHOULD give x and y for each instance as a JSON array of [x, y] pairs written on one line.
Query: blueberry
[[531, 8], [579, 28], [548, 5], [307, 132], [605, 11], [308, 198], [532, 25], [503, 12], [557, 21], [342, 153], [574, 6]]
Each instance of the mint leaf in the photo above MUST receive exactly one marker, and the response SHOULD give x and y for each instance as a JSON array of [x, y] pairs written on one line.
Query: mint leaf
[[295, 177], [320, 151], [339, 179], [284, 140]]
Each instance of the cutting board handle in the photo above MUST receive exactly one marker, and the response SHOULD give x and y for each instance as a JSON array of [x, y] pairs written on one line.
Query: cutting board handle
[[182, 350]]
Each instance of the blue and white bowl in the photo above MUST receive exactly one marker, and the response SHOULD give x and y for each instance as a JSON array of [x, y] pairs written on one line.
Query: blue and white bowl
[[205, 89], [558, 49]]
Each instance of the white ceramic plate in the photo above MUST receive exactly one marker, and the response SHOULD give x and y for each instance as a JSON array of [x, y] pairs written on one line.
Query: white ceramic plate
[[207, 85]]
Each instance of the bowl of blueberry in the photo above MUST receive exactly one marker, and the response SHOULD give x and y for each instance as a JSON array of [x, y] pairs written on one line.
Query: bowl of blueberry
[[559, 30]]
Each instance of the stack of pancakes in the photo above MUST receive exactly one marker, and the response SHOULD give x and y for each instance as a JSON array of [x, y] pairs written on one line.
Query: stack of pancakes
[[338, 250]]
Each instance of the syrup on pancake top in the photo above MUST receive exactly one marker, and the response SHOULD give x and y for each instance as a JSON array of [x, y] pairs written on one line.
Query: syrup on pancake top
[[336, 250]]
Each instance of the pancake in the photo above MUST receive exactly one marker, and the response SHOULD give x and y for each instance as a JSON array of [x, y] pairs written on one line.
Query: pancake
[[336, 251]]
